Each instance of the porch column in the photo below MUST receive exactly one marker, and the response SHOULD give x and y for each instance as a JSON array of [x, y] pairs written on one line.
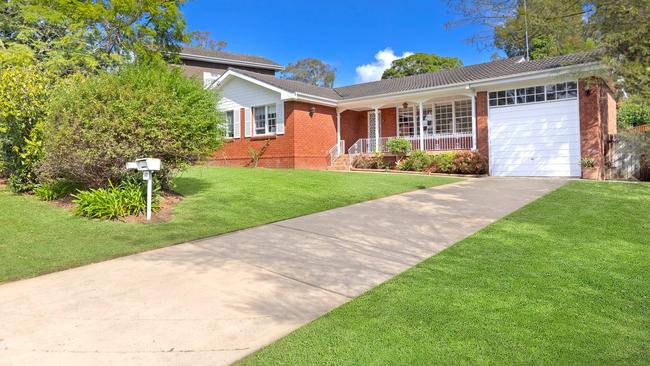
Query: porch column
[[421, 106], [376, 129], [473, 121]]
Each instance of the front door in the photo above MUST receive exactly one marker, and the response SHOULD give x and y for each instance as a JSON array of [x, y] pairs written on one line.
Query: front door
[[374, 130]]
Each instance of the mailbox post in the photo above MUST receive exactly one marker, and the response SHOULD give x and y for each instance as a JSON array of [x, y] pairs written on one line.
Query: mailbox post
[[147, 166]]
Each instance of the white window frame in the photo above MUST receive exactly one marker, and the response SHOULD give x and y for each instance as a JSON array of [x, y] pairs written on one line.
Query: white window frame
[[267, 117], [431, 108], [533, 94]]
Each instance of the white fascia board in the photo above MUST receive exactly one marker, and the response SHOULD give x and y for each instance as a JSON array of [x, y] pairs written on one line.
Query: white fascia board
[[230, 74], [592, 66], [574, 71], [301, 97], [187, 56]]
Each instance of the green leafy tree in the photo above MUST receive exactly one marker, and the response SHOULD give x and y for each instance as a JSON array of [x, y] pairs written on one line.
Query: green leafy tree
[[622, 28], [71, 36], [554, 27], [633, 113], [312, 71], [97, 123], [23, 106], [420, 63]]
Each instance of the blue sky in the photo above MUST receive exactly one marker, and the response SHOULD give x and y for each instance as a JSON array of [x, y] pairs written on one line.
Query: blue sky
[[345, 34]]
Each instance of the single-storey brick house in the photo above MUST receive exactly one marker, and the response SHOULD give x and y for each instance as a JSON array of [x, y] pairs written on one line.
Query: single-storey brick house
[[529, 118]]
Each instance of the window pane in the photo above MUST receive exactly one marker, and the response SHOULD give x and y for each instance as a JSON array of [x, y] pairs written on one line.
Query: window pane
[[271, 118], [230, 122], [259, 114], [444, 118], [501, 94], [560, 90], [571, 86], [550, 92], [405, 120], [572, 89], [463, 116], [493, 102], [493, 95], [521, 96], [510, 96]]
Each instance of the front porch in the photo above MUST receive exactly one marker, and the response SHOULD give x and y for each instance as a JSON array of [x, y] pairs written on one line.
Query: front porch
[[431, 124]]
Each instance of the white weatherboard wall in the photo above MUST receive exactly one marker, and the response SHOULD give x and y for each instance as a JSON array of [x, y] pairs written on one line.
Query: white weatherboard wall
[[538, 139], [238, 93]]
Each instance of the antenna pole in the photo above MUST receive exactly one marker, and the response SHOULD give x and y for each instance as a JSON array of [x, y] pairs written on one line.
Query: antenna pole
[[526, 26]]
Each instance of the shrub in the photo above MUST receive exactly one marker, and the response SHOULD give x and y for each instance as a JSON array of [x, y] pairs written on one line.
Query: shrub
[[98, 123], [418, 161], [399, 146], [374, 161], [587, 162], [23, 104], [469, 162], [55, 189], [442, 162], [126, 199], [632, 114]]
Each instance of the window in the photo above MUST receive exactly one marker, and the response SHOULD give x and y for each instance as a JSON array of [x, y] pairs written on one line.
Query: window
[[406, 121], [444, 118], [265, 121], [463, 118], [534, 94], [428, 121], [230, 124]]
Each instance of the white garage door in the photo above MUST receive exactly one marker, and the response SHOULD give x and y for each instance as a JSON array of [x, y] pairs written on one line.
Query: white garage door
[[539, 139]]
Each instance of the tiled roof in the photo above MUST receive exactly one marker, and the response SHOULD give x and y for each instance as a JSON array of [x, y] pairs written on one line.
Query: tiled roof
[[488, 70], [237, 57], [501, 68], [291, 86]]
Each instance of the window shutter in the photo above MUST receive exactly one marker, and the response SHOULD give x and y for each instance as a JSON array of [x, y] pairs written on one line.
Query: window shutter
[[248, 122], [279, 120], [236, 126]]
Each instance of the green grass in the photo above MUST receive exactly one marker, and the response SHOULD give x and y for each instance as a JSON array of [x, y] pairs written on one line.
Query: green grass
[[37, 237], [565, 280]]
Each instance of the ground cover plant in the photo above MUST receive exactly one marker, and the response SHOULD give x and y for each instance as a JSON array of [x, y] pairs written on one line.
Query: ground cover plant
[[38, 237], [562, 281]]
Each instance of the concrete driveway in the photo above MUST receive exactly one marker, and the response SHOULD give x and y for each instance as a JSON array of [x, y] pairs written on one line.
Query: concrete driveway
[[212, 301]]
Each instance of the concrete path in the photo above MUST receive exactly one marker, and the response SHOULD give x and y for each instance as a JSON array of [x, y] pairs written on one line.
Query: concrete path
[[212, 301]]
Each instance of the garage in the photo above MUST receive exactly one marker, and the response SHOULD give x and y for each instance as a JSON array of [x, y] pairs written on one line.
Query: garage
[[534, 132]]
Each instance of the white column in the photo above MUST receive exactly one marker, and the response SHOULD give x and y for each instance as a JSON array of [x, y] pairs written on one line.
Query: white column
[[421, 106], [338, 131], [376, 129], [473, 121]]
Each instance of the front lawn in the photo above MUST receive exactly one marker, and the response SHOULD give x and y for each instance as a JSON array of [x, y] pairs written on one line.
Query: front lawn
[[565, 280], [37, 237]]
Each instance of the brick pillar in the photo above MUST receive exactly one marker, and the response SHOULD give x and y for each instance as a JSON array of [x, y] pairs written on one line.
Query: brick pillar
[[592, 139], [482, 143]]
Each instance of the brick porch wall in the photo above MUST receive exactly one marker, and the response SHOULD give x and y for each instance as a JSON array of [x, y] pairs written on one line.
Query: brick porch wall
[[305, 142], [482, 143]]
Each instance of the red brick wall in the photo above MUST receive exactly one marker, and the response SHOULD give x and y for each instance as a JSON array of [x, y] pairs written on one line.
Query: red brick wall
[[350, 127], [597, 119], [305, 142], [313, 134], [482, 124]]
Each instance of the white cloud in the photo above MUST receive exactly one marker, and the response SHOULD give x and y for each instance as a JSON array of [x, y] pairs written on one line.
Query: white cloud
[[383, 60]]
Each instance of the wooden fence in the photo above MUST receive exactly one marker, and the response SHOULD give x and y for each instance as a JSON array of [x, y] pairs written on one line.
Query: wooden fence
[[621, 164]]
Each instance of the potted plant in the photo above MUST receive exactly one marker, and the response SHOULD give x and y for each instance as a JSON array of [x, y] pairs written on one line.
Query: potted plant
[[589, 168]]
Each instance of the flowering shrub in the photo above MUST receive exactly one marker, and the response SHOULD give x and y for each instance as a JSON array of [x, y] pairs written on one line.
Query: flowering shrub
[[374, 161]]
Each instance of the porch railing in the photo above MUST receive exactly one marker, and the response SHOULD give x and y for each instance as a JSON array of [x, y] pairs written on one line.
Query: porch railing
[[442, 142], [336, 151]]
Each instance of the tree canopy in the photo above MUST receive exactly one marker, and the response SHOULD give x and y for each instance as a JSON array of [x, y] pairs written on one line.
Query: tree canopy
[[312, 71], [420, 63], [70, 36]]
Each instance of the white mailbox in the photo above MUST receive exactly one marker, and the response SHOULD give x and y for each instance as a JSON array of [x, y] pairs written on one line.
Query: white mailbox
[[149, 164]]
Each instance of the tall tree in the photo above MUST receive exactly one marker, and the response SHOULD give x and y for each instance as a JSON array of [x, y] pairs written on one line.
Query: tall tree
[[68, 36], [623, 30], [312, 71], [554, 27], [420, 63]]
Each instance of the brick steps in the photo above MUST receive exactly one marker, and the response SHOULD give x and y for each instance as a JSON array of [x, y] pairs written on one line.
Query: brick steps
[[342, 163]]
